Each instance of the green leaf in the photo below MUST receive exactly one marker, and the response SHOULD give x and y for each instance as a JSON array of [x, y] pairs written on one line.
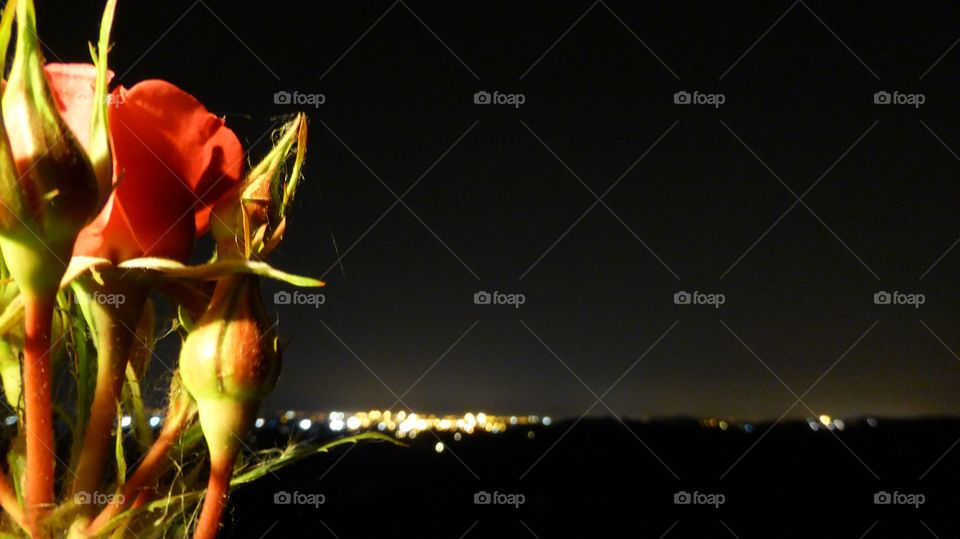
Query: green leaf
[[17, 462], [133, 401], [141, 350], [220, 268], [85, 373], [118, 451], [182, 507], [10, 374], [12, 315], [186, 321], [296, 453], [100, 155], [6, 27], [166, 503], [291, 187]]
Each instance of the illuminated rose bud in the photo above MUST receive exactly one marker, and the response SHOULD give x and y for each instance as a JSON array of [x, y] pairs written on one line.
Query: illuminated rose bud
[[231, 353], [228, 363], [250, 218], [53, 191], [48, 195]]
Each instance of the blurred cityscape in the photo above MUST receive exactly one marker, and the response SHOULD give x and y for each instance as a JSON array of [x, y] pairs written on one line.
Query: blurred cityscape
[[408, 425], [400, 423]]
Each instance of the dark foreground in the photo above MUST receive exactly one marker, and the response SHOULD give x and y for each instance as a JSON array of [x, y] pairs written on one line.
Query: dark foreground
[[596, 478]]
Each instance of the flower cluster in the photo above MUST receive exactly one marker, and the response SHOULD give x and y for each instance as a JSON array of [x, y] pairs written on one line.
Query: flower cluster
[[103, 193]]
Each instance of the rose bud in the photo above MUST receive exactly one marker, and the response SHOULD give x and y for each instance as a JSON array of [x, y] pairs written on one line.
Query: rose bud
[[53, 191], [249, 220], [49, 191], [169, 158], [228, 363]]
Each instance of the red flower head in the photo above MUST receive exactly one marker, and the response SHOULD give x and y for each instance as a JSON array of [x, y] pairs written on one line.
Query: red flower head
[[172, 159]]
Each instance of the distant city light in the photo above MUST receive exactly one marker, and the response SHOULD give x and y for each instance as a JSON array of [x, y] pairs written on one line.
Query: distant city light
[[403, 423], [409, 425]]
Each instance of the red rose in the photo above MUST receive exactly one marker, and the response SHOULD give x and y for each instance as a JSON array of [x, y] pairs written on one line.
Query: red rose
[[172, 159]]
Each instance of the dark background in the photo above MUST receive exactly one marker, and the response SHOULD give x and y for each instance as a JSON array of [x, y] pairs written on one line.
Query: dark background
[[399, 99], [799, 80]]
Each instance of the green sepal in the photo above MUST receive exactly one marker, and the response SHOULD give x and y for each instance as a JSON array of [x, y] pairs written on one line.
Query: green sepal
[[99, 147], [220, 268]]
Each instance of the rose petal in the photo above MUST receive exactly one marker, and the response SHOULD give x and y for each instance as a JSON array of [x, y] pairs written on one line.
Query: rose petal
[[216, 162], [172, 159], [72, 86]]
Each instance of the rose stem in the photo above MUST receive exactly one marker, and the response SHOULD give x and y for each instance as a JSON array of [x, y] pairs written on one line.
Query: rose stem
[[9, 502], [37, 382], [152, 465], [111, 362], [215, 499]]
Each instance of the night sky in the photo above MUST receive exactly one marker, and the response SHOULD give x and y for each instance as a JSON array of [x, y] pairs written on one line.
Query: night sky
[[503, 198]]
